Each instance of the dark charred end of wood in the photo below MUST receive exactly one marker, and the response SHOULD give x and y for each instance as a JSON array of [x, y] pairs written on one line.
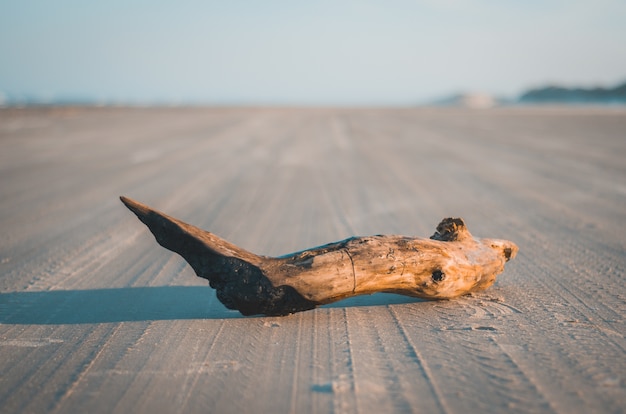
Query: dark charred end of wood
[[451, 229], [242, 286]]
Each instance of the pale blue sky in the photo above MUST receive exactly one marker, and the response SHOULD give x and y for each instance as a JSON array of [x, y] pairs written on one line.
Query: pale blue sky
[[305, 52]]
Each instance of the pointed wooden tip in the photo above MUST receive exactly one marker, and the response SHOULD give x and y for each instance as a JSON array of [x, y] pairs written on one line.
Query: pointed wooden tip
[[167, 230], [141, 210], [159, 223], [191, 242]]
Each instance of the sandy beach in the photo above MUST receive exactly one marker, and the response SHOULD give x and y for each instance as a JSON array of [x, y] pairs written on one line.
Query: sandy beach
[[95, 317]]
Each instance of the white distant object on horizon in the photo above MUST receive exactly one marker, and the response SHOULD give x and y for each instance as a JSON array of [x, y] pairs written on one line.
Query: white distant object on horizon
[[477, 100], [469, 100]]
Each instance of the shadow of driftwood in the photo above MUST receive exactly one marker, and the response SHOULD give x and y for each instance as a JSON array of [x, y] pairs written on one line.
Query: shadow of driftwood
[[377, 299], [112, 305], [57, 307]]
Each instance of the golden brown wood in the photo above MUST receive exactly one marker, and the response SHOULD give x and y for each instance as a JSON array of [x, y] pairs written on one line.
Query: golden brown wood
[[449, 264]]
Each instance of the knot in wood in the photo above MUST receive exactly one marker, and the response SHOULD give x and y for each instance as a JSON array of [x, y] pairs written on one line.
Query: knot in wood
[[451, 229]]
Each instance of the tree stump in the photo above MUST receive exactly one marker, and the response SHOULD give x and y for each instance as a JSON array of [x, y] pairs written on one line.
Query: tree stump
[[449, 264]]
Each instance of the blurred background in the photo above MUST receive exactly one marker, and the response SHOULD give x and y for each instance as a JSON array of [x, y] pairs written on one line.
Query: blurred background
[[396, 52]]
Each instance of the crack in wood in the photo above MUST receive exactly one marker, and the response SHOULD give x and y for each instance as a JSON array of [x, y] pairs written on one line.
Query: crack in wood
[[353, 270]]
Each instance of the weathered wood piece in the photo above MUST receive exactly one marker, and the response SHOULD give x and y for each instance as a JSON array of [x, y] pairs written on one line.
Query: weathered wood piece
[[449, 264]]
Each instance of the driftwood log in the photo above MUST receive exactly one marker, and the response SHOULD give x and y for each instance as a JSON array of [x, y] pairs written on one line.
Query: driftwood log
[[449, 264]]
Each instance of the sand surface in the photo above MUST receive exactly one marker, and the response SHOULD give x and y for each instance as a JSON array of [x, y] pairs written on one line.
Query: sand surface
[[96, 317]]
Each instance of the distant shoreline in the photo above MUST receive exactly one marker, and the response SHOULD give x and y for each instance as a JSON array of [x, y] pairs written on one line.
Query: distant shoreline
[[545, 95], [598, 95]]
